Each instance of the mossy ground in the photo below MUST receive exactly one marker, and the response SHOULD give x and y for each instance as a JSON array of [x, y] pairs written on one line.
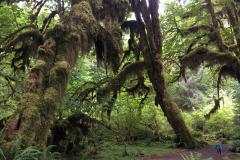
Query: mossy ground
[[112, 150]]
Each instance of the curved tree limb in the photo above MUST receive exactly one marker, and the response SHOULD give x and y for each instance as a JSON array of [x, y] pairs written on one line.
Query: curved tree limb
[[215, 108], [230, 66], [117, 82], [12, 35], [200, 55], [47, 20]]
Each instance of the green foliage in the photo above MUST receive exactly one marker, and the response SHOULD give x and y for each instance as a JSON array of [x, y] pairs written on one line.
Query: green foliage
[[27, 153], [236, 117], [192, 94], [33, 153], [77, 96], [2, 154], [112, 150], [199, 123], [12, 17], [49, 155], [194, 156], [235, 146], [220, 122], [130, 122]]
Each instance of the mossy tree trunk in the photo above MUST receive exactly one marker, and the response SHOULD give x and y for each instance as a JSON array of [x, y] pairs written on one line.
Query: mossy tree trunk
[[151, 42], [48, 79]]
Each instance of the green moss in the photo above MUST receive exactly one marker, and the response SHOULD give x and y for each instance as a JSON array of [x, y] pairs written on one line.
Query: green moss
[[51, 98], [46, 51], [40, 65], [59, 76], [56, 32], [73, 36], [82, 12], [103, 92], [61, 69], [30, 98]]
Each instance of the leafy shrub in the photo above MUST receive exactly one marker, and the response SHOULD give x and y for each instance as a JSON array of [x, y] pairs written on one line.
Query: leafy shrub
[[49, 155], [31, 153], [2, 156], [208, 137], [223, 140], [197, 134], [90, 150], [236, 136], [28, 153], [235, 146], [228, 134], [221, 123]]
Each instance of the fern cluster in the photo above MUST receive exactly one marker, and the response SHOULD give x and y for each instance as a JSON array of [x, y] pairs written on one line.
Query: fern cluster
[[32, 153]]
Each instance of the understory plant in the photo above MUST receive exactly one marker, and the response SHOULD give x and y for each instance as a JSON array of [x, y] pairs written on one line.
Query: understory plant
[[194, 156], [32, 153], [235, 146]]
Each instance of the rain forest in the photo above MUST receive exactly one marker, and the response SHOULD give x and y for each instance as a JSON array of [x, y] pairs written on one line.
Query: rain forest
[[119, 79]]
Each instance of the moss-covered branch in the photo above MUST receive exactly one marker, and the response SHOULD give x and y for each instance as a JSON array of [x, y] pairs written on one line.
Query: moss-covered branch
[[21, 37], [194, 29], [230, 67], [117, 82], [200, 55], [215, 107], [12, 35], [203, 55]]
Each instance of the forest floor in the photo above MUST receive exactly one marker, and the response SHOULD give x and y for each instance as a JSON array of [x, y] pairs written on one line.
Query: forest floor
[[203, 153]]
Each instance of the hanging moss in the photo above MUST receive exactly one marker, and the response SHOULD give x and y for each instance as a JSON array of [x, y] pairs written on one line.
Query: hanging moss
[[22, 37], [200, 55], [57, 32], [109, 46], [115, 9], [81, 15], [117, 82]]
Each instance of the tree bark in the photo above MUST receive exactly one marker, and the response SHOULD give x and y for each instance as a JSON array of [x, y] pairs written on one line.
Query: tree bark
[[48, 79], [151, 43]]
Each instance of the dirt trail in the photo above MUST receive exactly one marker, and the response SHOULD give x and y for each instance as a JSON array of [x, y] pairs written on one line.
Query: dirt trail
[[205, 152]]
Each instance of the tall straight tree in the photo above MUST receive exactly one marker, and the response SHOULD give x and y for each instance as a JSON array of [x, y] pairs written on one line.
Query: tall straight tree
[[151, 45]]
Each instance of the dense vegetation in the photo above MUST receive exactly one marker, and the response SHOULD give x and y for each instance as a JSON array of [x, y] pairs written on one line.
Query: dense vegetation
[[79, 77]]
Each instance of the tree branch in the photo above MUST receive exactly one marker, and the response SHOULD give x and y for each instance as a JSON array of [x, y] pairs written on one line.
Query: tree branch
[[117, 82]]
